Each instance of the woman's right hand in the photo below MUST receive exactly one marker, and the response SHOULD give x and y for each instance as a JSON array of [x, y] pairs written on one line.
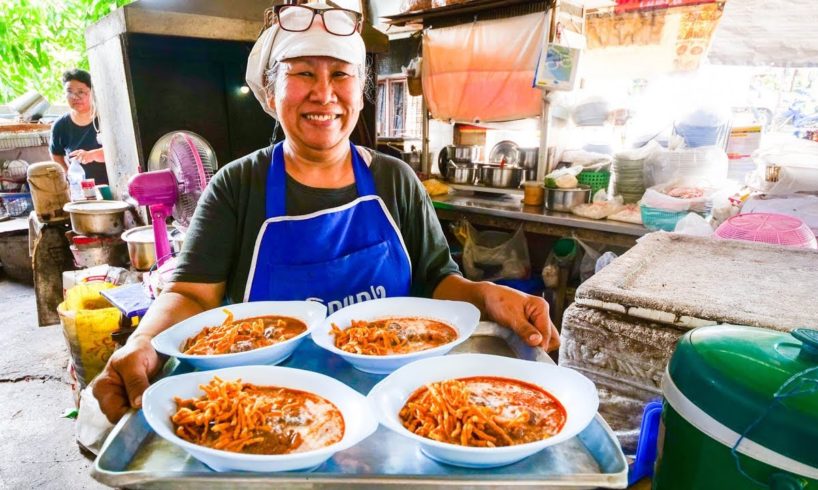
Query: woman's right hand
[[126, 376]]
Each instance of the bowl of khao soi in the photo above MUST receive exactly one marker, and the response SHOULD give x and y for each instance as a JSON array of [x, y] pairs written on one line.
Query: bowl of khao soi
[[260, 332], [482, 411], [258, 418], [381, 335]]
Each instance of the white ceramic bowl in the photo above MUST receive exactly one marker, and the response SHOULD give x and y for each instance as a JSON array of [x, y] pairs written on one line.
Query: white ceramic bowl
[[464, 317], [359, 419], [170, 341], [576, 393]]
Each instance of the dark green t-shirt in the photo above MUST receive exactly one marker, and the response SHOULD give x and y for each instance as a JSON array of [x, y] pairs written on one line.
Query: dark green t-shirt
[[222, 236]]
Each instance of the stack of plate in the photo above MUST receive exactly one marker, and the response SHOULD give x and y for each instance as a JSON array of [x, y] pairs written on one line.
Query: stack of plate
[[628, 179]]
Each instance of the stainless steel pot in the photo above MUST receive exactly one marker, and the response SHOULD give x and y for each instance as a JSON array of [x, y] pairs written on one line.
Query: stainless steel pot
[[109, 253], [142, 245], [472, 154], [497, 176], [528, 160], [97, 217], [460, 173], [566, 199]]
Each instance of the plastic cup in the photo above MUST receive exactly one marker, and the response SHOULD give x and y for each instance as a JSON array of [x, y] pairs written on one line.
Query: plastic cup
[[105, 192], [533, 193]]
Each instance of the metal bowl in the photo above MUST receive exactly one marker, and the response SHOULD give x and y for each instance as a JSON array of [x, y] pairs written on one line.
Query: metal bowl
[[505, 176], [97, 217], [109, 253], [566, 199], [142, 246], [461, 173]]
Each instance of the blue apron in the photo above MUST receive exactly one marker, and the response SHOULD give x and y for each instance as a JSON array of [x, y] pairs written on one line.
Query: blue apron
[[337, 256]]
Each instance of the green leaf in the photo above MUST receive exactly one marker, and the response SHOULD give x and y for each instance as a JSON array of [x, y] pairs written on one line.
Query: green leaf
[[42, 38], [70, 413]]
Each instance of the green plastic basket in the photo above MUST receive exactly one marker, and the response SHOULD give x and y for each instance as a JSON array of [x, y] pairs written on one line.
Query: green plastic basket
[[595, 180]]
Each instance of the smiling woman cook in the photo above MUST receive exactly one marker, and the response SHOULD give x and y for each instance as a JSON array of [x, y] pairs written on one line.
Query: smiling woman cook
[[313, 217]]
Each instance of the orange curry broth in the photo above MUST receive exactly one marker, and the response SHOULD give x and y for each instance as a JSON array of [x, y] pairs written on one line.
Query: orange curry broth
[[494, 412], [395, 335], [273, 420], [243, 335]]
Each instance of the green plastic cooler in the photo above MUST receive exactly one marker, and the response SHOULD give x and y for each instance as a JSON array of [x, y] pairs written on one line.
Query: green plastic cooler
[[752, 389]]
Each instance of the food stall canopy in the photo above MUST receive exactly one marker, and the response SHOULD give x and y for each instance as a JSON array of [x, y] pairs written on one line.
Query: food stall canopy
[[767, 32], [483, 71]]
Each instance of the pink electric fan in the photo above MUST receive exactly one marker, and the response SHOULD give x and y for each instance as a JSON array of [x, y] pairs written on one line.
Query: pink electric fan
[[176, 190]]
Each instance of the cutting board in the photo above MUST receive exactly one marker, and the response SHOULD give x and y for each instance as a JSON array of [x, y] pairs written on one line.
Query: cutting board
[[689, 281]]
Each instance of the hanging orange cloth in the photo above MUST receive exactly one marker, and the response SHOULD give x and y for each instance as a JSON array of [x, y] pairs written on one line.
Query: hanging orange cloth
[[483, 71]]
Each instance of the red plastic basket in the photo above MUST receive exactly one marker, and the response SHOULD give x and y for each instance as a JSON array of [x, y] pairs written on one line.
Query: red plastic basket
[[777, 229]]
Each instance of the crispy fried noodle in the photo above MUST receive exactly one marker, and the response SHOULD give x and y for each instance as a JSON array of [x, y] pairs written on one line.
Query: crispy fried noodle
[[392, 336], [243, 335], [242, 417], [483, 412]]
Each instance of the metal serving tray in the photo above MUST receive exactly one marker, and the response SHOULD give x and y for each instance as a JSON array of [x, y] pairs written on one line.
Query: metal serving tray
[[134, 456]]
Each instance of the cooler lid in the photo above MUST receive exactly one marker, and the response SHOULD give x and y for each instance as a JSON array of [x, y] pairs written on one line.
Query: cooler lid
[[690, 281], [756, 382], [44, 168]]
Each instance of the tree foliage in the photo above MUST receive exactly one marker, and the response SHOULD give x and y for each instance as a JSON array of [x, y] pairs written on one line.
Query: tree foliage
[[39, 39]]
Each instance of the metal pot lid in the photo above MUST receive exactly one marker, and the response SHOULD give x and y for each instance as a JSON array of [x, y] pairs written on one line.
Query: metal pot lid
[[507, 150], [754, 381], [95, 207], [144, 234]]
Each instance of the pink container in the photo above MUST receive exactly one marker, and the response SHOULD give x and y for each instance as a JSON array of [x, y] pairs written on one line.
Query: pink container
[[777, 229]]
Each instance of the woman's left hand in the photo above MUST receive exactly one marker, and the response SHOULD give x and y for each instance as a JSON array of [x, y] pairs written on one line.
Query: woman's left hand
[[527, 315], [88, 156]]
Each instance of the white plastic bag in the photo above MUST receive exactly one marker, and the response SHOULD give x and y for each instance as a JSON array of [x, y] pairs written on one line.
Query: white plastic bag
[[642, 153], [693, 224], [587, 265], [707, 164], [630, 213], [92, 425], [563, 178], [797, 162], [604, 260], [491, 255], [600, 208], [658, 197]]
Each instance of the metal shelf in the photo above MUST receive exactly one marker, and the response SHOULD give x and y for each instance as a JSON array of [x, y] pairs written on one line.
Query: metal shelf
[[491, 190]]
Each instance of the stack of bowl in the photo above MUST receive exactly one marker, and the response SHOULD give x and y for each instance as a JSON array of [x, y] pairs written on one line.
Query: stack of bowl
[[96, 227]]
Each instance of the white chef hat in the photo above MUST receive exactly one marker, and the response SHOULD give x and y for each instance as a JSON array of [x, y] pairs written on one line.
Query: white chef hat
[[276, 44]]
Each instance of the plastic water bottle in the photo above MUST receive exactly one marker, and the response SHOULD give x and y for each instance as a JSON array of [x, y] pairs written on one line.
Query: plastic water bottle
[[75, 176]]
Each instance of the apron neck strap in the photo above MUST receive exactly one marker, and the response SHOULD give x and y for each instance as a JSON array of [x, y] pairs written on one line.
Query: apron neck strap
[[276, 198]]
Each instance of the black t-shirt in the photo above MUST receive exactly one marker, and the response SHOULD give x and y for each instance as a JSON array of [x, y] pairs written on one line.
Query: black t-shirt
[[220, 242], [66, 136]]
